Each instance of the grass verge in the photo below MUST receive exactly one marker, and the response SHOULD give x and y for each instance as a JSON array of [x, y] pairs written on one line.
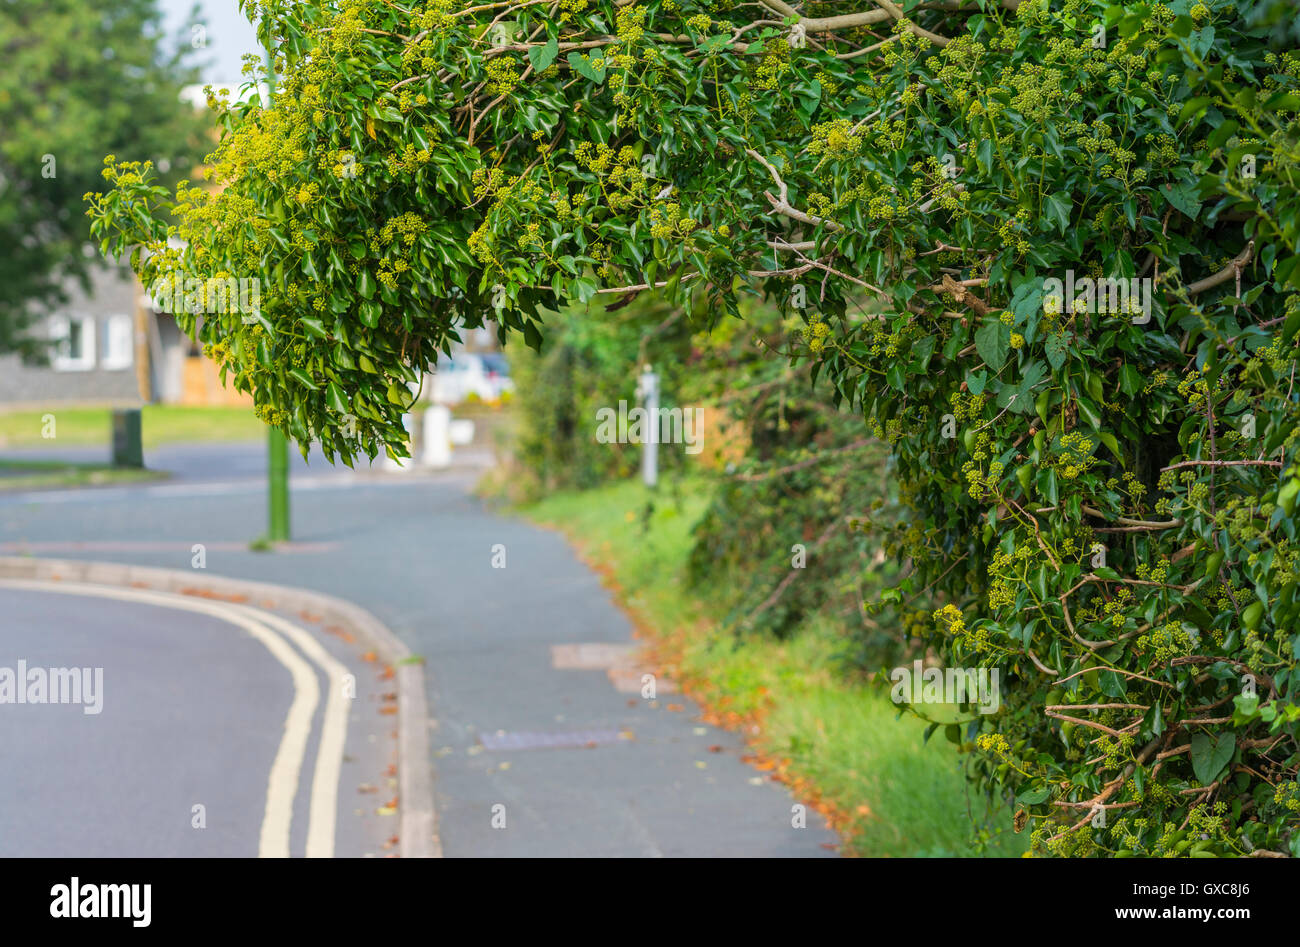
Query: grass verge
[[49, 475], [160, 424], [839, 745]]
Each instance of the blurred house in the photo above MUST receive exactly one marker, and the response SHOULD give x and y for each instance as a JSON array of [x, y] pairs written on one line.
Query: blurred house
[[109, 346]]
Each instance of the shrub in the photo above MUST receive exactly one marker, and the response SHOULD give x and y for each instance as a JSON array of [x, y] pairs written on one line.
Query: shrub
[[590, 362], [913, 187]]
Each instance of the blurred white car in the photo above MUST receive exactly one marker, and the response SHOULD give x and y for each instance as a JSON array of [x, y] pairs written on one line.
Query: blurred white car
[[472, 377]]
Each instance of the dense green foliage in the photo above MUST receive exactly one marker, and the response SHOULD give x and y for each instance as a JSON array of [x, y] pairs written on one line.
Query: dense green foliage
[[80, 77], [779, 542], [589, 362], [911, 186]]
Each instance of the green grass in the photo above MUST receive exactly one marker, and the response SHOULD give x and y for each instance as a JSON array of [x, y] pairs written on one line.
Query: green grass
[[889, 792], [160, 424], [42, 474]]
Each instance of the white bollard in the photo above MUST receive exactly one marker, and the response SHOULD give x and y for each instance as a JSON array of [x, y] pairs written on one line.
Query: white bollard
[[647, 390], [437, 436]]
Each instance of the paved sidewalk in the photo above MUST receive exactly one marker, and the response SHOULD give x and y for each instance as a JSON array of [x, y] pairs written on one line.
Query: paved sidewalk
[[579, 767]]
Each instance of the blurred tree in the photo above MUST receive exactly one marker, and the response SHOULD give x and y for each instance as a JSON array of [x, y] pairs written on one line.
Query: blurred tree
[[82, 78]]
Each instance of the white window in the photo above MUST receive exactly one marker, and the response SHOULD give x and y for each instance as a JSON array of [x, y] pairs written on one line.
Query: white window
[[118, 350], [74, 343]]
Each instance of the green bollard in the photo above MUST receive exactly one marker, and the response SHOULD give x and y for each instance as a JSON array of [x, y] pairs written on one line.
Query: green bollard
[[128, 447]]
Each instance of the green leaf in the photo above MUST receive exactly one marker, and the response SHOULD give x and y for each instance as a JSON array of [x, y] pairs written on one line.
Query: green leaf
[[1032, 797], [314, 327], [1057, 207], [542, 56], [1130, 382], [1058, 346], [335, 399], [895, 378], [1194, 106], [1210, 755], [366, 284], [584, 68], [1183, 197], [1112, 684], [993, 342]]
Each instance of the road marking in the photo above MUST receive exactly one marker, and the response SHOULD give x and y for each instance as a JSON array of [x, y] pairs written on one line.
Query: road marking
[[282, 784], [323, 812]]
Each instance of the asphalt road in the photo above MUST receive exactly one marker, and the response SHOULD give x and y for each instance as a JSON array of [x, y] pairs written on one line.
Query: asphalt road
[[530, 759], [194, 728]]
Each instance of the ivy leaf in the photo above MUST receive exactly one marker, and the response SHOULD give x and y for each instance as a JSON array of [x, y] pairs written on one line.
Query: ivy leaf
[[1032, 797], [993, 342], [1027, 299], [1130, 382], [366, 284], [335, 398], [1057, 347], [1210, 755], [542, 56], [1112, 684], [313, 326], [1057, 207], [1183, 197], [895, 377], [584, 68]]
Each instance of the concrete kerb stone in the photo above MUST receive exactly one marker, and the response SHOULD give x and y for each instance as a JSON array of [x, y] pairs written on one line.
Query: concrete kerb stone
[[415, 775]]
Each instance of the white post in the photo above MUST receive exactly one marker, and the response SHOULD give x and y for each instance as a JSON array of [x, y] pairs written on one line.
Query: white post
[[648, 391], [437, 436]]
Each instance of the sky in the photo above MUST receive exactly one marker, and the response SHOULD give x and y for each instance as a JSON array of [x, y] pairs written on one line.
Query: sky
[[226, 34]]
